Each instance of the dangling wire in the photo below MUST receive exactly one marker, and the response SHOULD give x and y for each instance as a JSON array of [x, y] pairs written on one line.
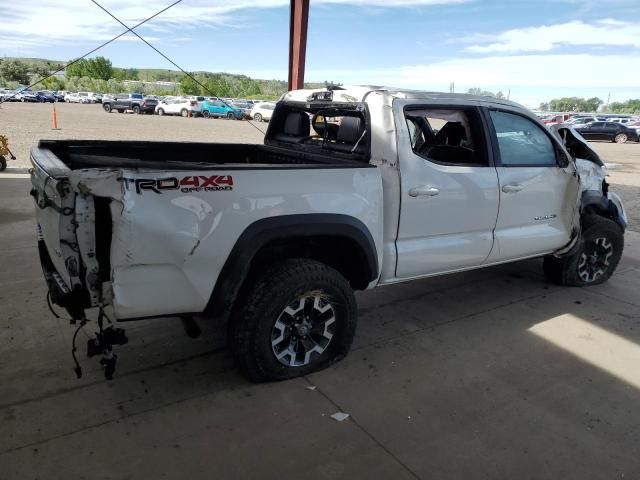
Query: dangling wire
[[78, 368]]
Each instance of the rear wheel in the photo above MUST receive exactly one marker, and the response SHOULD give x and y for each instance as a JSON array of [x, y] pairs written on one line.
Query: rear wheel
[[184, 112], [136, 109], [107, 107], [160, 112], [257, 117], [230, 116], [298, 317], [596, 258], [206, 114], [620, 138]]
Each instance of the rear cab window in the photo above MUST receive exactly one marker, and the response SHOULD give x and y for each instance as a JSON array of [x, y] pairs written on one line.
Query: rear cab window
[[322, 127]]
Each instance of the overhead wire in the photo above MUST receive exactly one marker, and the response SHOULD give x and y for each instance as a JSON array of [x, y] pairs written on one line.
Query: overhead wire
[[95, 49], [204, 87]]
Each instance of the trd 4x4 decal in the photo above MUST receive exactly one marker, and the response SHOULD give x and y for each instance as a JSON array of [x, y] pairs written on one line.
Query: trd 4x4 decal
[[192, 183]]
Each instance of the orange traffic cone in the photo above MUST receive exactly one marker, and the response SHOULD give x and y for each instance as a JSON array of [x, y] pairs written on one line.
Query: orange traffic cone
[[55, 118]]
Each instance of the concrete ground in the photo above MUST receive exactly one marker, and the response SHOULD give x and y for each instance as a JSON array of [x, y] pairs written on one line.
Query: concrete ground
[[489, 374]]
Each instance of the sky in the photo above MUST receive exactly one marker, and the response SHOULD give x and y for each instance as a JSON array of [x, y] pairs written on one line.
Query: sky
[[536, 50]]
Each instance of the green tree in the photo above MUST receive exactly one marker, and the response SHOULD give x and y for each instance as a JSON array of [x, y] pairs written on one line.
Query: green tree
[[188, 86], [629, 106], [99, 67], [77, 69], [53, 83], [592, 104], [575, 104], [14, 71]]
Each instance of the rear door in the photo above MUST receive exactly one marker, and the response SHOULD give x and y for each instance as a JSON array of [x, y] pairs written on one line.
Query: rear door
[[449, 189], [595, 132], [539, 188], [610, 130]]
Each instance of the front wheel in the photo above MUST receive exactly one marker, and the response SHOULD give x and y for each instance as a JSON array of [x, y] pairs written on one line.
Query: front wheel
[[107, 107], [257, 117], [298, 317], [595, 260], [206, 114], [136, 109], [184, 112], [160, 112], [620, 138]]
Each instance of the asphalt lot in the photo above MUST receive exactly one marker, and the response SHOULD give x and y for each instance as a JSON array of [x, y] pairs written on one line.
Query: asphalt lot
[[488, 374]]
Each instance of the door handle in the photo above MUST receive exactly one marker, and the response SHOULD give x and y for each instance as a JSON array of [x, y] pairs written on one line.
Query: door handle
[[516, 187], [424, 191]]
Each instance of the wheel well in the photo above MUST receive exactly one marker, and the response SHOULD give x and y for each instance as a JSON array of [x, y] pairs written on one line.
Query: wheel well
[[339, 241], [340, 253]]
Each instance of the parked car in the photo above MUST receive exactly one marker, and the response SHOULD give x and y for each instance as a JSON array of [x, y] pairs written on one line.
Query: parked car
[[177, 106], [7, 95], [611, 131], [134, 102], [575, 121], [45, 96], [151, 229], [262, 112], [220, 109], [79, 97], [26, 96], [95, 97], [561, 118]]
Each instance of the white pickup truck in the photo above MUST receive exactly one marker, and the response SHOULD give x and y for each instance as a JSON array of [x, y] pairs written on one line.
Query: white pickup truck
[[352, 189]]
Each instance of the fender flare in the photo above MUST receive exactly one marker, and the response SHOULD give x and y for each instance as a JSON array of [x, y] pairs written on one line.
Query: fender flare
[[263, 231]]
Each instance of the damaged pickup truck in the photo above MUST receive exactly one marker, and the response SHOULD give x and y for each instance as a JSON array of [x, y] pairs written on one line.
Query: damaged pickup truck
[[352, 189]]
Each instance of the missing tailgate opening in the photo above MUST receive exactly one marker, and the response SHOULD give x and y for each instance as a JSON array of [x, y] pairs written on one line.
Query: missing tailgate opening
[[103, 237]]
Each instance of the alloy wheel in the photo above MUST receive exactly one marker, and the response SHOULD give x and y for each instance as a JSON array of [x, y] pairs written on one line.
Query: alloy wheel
[[304, 330], [594, 261]]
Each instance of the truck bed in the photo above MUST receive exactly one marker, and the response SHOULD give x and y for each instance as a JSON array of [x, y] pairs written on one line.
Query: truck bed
[[80, 154]]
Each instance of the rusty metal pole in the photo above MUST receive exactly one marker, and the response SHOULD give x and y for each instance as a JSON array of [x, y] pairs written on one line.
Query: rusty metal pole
[[297, 42]]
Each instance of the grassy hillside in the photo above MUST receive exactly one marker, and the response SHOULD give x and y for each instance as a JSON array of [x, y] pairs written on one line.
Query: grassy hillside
[[219, 83]]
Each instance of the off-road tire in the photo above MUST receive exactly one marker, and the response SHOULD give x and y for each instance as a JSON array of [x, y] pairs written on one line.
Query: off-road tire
[[565, 270], [261, 304]]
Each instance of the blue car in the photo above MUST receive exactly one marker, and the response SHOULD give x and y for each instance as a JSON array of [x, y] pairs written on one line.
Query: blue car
[[220, 109], [44, 96]]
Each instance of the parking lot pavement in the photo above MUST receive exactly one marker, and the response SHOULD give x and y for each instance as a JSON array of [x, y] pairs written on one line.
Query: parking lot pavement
[[488, 374]]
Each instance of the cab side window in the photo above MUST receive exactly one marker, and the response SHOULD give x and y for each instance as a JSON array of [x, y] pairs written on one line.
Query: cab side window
[[521, 141], [447, 136]]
